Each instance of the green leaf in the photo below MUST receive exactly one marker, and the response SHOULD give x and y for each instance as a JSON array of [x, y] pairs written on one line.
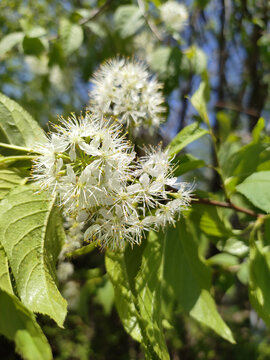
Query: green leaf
[[10, 40], [259, 275], [147, 284], [256, 189], [199, 100], [5, 281], [195, 60], [18, 324], [128, 20], [32, 235], [32, 46], [190, 279], [136, 275], [243, 162], [186, 163], [236, 247], [223, 259], [71, 36], [211, 223], [186, 136], [224, 125], [9, 178], [256, 132], [159, 61], [124, 299], [17, 126]]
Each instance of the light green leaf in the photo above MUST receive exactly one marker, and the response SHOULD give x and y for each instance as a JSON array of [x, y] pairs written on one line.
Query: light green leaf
[[259, 275], [32, 235], [71, 35], [256, 132], [195, 60], [9, 178], [190, 279], [147, 284], [128, 20], [136, 275], [10, 40], [5, 281], [205, 312], [124, 300], [18, 324], [256, 189], [199, 101], [17, 126], [186, 136], [160, 61], [223, 259], [236, 247]]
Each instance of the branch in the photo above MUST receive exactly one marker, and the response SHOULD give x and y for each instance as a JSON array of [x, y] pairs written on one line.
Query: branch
[[150, 23], [228, 205], [96, 13]]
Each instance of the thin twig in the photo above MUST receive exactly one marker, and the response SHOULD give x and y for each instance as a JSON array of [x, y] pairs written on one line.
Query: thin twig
[[228, 205], [150, 23], [96, 13]]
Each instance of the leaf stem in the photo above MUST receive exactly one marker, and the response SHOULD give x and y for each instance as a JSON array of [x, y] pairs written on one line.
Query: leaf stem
[[16, 158], [15, 147]]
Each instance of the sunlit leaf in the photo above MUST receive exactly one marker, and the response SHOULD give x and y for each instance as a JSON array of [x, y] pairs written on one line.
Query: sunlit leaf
[[128, 19], [256, 189], [186, 136], [71, 36], [31, 234], [9, 178], [18, 324], [17, 126], [9, 41]]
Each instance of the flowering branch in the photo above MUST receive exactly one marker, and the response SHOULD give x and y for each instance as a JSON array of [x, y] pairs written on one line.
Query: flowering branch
[[228, 205]]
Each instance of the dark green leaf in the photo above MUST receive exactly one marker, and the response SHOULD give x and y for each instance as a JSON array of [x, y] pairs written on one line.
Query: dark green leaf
[[190, 279], [32, 46], [186, 163]]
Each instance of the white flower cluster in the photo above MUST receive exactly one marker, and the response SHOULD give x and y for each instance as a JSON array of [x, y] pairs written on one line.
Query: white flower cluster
[[174, 15], [100, 183], [126, 90]]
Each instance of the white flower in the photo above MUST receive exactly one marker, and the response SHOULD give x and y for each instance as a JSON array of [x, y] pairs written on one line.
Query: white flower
[[174, 15], [105, 192], [126, 90]]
